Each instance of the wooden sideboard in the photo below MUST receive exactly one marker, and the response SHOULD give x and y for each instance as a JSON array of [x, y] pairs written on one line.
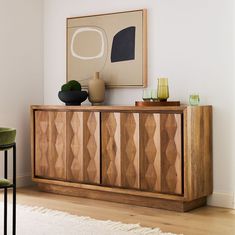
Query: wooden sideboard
[[149, 156]]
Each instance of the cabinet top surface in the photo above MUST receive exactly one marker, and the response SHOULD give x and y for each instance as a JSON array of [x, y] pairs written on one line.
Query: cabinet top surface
[[112, 108]]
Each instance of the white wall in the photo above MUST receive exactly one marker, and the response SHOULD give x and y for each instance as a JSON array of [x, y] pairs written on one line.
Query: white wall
[[21, 72], [190, 42]]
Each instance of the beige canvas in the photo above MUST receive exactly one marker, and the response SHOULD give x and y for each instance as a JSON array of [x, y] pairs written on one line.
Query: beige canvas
[[94, 41]]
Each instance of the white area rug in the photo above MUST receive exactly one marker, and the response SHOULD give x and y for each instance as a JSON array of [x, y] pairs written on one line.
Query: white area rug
[[41, 221]]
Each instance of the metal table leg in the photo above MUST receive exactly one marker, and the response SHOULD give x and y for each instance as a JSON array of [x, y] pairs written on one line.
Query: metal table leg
[[5, 192], [14, 192]]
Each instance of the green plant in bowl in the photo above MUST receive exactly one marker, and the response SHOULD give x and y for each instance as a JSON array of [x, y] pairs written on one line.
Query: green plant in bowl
[[72, 85], [71, 93]]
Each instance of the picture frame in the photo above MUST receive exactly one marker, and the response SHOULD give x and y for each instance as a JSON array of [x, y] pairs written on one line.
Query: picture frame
[[113, 44]]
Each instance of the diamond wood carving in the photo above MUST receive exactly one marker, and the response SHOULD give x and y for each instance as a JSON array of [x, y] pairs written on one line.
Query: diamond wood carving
[[150, 152], [75, 146], [130, 172], [161, 153], [91, 145], [111, 154], [171, 153], [41, 143], [120, 149], [50, 142]]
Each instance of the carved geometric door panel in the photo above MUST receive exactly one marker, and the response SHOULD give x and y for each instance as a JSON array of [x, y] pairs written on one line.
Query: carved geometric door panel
[[83, 147], [111, 149], [130, 172], [50, 142], [42, 136], [120, 150], [91, 147], [74, 146], [150, 152], [161, 153], [171, 153]]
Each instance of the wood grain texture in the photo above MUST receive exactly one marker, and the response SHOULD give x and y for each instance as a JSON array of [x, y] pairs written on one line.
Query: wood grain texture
[[110, 189], [50, 142], [170, 109], [83, 147], [198, 152], [120, 149], [74, 146], [161, 153], [42, 136], [111, 149], [160, 203], [150, 152], [130, 172], [171, 153], [91, 142]]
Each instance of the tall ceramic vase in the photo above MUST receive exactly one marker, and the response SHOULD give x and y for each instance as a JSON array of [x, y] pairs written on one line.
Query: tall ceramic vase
[[96, 90]]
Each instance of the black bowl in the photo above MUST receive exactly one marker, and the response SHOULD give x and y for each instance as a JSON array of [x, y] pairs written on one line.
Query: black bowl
[[73, 97]]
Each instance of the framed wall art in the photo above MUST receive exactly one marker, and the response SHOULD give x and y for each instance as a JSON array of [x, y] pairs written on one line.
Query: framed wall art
[[115, 45]]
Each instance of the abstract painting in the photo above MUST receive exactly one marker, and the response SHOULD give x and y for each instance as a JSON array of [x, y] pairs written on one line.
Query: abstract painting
[[115, 45]]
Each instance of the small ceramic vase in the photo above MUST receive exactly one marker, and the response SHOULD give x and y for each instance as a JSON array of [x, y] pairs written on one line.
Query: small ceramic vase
[[96, 90]]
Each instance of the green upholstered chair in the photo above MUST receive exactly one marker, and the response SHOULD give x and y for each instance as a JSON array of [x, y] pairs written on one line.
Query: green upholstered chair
[[4, 183], [7, 141], [7, 137]]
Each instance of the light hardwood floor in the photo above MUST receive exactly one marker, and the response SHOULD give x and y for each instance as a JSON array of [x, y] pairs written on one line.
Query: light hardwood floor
[[202, 221]]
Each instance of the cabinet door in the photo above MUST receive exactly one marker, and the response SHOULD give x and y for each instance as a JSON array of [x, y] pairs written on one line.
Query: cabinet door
[[161, 152], [50, 142], [83, 147], [120, 150], [111, 149], [75, 146]]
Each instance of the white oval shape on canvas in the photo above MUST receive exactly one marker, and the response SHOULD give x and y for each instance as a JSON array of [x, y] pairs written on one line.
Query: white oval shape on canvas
[[82, 30]]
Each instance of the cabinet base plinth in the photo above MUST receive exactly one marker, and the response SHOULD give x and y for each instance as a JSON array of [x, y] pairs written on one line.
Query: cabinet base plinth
[[160, 203]]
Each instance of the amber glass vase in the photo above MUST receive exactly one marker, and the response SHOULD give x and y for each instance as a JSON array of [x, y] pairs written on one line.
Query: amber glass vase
[[162, 89]]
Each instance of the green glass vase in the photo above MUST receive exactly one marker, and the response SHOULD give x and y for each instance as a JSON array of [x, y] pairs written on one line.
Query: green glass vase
[[162, 89]]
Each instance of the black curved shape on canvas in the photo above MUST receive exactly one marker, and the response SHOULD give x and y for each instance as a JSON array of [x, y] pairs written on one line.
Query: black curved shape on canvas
[[123, 46]]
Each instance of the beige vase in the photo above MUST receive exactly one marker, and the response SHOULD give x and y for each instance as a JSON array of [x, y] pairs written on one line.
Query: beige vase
[[96, 90]]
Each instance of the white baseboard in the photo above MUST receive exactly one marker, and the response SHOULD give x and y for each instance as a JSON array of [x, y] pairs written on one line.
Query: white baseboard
[[226, 200]]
